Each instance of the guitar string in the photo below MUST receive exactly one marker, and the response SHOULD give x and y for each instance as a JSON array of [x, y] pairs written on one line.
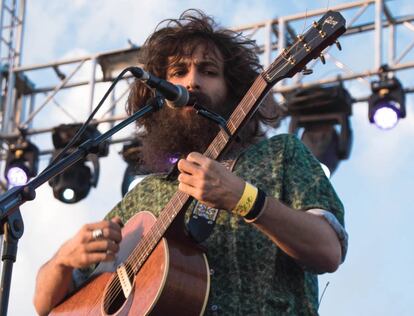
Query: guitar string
[[115, 290], [144, 241], [149, 243]]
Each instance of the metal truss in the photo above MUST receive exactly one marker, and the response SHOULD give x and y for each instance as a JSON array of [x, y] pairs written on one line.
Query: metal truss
[[11, 40], [19, 91]]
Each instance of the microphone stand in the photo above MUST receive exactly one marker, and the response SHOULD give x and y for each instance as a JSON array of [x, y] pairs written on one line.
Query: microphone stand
[[10, 217]]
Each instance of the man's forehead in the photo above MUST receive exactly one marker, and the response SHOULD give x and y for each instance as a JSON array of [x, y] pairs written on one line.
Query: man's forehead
[[199, 54]]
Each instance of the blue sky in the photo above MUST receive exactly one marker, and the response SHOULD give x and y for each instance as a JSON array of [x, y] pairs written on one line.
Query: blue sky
[[374, 184]]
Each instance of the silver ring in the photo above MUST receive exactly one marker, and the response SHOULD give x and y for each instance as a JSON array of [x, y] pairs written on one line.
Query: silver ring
[[97, 234]]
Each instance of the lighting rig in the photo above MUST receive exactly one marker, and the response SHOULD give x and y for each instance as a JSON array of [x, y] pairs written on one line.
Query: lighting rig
[[74, 184], [22, 162], [386, 105], [321, 115]]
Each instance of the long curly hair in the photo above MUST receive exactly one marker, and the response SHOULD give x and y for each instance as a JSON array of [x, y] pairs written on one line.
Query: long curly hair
[[178, 38]]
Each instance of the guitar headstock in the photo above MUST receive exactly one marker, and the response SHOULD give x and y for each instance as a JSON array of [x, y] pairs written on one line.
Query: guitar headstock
[[307, 46]]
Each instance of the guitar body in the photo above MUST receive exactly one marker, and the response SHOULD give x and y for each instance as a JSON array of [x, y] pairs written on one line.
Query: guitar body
[[174, 279]]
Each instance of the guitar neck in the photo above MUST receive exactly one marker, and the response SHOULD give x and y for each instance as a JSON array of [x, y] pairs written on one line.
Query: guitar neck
[[244, 110]]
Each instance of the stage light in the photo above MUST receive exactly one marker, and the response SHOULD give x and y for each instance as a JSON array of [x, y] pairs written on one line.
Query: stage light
[[136, 171], [386, 105], [74, 183], [17, 176], [322, 115], [22, 162]]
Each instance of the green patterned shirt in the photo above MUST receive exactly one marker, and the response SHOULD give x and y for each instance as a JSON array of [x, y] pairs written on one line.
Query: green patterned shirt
[[250, 275]]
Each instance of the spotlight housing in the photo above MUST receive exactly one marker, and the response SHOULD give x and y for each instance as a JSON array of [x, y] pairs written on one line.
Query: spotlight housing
[[74, 183], [22, 162], [322, 114], [386, 105]]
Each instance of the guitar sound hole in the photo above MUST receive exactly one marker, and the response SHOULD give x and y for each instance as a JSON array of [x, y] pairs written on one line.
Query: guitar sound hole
[[114, 297]]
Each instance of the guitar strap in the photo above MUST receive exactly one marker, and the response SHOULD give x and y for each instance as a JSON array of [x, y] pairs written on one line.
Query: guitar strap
[[203, 218]]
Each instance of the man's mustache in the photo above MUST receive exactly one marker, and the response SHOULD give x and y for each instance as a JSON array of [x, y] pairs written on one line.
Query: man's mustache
[[199, 99]]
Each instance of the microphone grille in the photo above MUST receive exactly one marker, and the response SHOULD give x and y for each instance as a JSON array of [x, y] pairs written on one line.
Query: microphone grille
[[182, 98]]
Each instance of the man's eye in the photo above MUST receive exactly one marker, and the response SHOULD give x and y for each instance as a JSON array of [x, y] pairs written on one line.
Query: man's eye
[[210, 72], [177, 73]]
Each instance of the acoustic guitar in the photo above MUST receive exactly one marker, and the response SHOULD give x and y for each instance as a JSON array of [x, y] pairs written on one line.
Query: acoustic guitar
[[159, 270]]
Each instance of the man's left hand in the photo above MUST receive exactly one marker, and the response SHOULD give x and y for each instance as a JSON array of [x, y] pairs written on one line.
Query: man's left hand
[[209, 182]]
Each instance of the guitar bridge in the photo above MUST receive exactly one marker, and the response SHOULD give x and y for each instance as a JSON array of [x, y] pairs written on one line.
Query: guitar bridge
[[124, 280]]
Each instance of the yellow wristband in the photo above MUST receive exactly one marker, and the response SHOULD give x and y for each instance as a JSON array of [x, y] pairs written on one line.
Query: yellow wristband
[[247, 200]]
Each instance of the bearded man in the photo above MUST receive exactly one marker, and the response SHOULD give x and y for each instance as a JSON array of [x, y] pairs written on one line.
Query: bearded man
[[263, 259]]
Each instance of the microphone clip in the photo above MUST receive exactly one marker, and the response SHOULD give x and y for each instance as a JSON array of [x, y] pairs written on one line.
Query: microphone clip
[[212, 116], [157, 102]]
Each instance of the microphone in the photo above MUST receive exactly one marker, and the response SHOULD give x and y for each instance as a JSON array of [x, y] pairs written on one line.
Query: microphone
[[177, 95]]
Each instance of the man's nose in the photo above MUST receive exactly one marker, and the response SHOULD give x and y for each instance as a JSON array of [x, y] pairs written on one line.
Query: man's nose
[[193, 81]]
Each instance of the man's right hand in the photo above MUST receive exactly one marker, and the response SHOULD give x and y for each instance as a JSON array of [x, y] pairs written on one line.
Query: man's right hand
[[54, 279], [85, 249]]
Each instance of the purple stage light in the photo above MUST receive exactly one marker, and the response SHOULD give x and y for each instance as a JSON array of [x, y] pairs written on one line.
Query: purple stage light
[[16, 176], [386, 105], [386, 115]]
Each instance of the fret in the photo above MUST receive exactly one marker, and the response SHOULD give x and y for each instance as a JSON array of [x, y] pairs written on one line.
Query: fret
[[223, 137], [215, 151], [231, 126], [252, 95]]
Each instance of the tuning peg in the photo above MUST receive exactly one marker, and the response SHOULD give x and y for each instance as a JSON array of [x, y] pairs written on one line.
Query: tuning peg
[[322, 33], [285, 53], [338, 45], [322, 58], [306, 71]]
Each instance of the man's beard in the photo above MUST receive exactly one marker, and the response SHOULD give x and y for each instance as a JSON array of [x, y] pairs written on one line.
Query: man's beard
[[174, 133]]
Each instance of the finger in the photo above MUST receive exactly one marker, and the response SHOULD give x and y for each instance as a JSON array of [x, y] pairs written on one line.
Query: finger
[[95, 257], [187, 179], [187, 167], [110, 230], [117, 220], [111, 224], [196, 157], [107, 225], [190, 190], [88, 228], [113, 234], [202, 161], [102, 246]]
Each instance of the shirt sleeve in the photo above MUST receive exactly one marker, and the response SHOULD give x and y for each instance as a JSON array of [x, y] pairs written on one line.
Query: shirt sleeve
[[306, 188], [336, 226]]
